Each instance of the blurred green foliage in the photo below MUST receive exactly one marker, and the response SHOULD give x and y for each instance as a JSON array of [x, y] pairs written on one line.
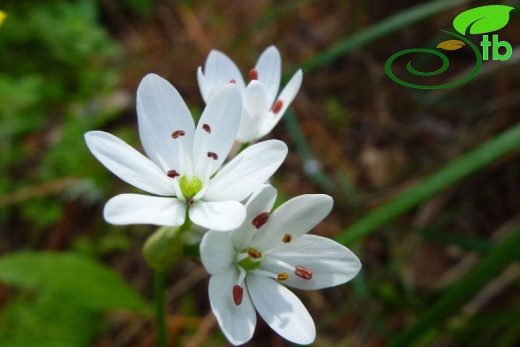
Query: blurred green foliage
[[71, 293], [48, 320], [56, 80]]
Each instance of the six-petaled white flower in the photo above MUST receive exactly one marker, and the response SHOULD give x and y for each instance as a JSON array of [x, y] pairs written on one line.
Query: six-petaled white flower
[[184, 160], [261, 109], [251, 266]]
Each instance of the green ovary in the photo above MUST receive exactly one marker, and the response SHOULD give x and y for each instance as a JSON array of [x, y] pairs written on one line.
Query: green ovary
[[250, 263], [190, 188]]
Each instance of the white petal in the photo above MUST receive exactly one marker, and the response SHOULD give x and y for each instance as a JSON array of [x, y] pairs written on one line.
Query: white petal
[[220, 70], [221, 216], [254, 113], [237, 322], [261, 201], [203, 85], [143, 209], [287, 96], [331, 264], [247, 171], [216, 251], [296, 217], [128, 164], [281, 309], [161, 111], [216, 130], [269, 67], [248, 129]]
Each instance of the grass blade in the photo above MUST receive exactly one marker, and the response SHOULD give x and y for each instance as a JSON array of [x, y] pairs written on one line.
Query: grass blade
[[383, 28], [451, 173], [496, 260]]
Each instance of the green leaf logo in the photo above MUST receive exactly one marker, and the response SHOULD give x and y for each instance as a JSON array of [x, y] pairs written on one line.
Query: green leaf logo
[[482, 20]]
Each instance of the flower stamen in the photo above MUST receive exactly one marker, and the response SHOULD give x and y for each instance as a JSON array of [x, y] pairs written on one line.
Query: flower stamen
[[287, 238], [238, 294], [178, 133], [253, 74], [213, 155], [234, 81], [253, 253], [260, 220], [207, 128], [277, 106], [283, 276], [189, 202], [172, 173], [303, 272]]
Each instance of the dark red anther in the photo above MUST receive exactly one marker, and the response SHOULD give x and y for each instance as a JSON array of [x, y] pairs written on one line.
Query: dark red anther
[[303, 272], [238, 294], [212, 155], [260, 220], [234, 81], [189, 202], [277, 106], [253, 75], [207, 128], [172, 173], [178, 133]]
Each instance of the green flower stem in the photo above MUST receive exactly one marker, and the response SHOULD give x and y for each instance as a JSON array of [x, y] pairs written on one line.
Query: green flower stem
[[159, 286], [187, 223]]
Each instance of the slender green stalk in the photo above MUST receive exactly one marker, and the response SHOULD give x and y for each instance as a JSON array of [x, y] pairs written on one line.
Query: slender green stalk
[[158, 287], [187, 223], [383, 28], [451, 173], [427, 324]]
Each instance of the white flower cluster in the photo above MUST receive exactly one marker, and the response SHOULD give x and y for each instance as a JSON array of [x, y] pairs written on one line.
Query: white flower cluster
[[251, 253]]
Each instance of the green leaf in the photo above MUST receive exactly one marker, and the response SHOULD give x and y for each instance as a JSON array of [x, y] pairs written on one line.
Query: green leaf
[[77, 279], [482, 20], [46, 321]]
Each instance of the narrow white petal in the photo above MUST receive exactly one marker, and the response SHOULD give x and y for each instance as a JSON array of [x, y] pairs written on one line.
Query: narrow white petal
[[216, 252], [331, 264], [287, 96], [219, 70], [281, 309], [143, 209], [269, 67], [248, 129], [247, 171], [237, 322], [216, 130], [203, 85], [296, 217], [261, 201], [128, 164], [221, 216], [161, 111], [255, 112]]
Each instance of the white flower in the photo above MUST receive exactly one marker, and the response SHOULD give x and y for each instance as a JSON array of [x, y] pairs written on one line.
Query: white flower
[[183, 162], [251, 265], [261, 110]]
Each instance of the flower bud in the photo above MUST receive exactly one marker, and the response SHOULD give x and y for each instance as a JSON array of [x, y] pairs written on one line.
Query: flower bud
[[163, 248]]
